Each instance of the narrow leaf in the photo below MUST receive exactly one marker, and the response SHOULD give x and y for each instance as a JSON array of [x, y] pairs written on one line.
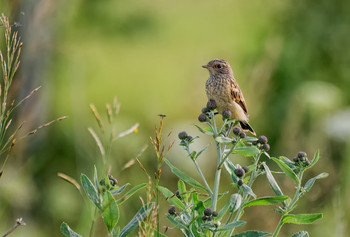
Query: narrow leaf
[[314, 160], [130, 193], [97, 183], [119, 190], [231, 225], [248, 190], [67, 231], [252, 233], [224, 140], [184, 176], [235, 202], [272, 180], [266, 201], [138, 218], [176, 223], [201, 151], [286, 169], [223, 211], [110, 211], [90, 190], [310, 182], [182, 190], [171, 198], [301, 218], [246, 150], [207, 130], [301, 234]]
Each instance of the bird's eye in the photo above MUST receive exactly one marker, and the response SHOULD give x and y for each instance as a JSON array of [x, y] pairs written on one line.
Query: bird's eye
[[218, 66]]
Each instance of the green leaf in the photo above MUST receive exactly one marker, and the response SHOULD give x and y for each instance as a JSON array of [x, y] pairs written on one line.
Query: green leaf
[[301, 218], [206, 130], [266, 201], [90, 190], [97, 183], [301, 234], [287, 170], [184, 176], [195, 198], [314, 160], [272, 180], [171, 198], [222, 212], [176, 222], [231, 225], [235, 202], [287, 161], [67, 231], [110, 211], [119, 190], [130, 193], [248, 139], [158, 234], [310, 182], [248, 190], [200, 152], [138, 218], [224, 140], [252, 233], [246, 150], [182, 190]]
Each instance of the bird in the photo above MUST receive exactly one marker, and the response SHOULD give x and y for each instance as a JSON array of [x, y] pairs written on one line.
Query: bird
[[222, 87]]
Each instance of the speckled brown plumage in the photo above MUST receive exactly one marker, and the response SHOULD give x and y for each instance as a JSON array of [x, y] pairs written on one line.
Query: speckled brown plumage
[[222, 87]]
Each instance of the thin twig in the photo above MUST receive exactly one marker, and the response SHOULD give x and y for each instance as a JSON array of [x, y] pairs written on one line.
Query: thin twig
[[19, 222]]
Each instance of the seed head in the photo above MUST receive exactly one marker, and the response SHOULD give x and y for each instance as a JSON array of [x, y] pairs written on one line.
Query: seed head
[[262, 139], [182, 135], [226, 114], [203, 118], [205, 110], [211, 105], [215, 213], [240, 182], [245, 168], [302, 154], [242, 135], [236, 130], [207, 211], [254, 143], [204, 218], [266, 147], [239, 172], [172, 210]]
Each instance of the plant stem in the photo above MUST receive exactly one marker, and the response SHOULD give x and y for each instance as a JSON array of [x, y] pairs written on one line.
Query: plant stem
[[278, 228], [203, 178], [93, 223], [214, 198]]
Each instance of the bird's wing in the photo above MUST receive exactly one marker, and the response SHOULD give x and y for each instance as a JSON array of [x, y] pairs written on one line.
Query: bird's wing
[[237, 96]]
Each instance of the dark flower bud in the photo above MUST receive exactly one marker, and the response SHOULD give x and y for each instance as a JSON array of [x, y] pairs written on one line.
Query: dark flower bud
[[266, 147], [245, 168], [211, 105], [209, 218], [262, 139], [207, 211], [302, 154], [215, 213], [203, 118], [205, 110], [182, 135], [307, 163], [302, 158], [242, 135], [113, 181], [236, 130], [226, 114], [295, 159], [102, 182], [177, 194], [254, 143], [295, 171], [204, 218], [189, 138], [239, 172], [172, 210], [240, 182]]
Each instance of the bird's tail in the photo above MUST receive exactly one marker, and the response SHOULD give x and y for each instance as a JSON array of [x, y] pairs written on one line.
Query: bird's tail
[[246, 126]]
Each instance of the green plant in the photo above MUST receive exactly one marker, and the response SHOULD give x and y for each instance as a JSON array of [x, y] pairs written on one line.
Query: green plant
[[196, 216], [104, 191]]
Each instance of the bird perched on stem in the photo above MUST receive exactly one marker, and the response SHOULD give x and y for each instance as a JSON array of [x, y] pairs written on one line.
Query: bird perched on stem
[[222, 87]]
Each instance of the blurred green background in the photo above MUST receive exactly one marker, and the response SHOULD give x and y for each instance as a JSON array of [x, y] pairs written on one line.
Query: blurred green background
[[291, 59]]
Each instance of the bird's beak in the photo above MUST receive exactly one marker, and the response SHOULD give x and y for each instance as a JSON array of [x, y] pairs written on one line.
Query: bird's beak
[[206, 66]]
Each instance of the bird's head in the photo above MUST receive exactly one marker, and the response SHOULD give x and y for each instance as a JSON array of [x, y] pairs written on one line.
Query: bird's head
[[218, 66]]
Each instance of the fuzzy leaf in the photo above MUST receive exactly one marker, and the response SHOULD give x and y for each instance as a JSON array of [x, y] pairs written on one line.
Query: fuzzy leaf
[[246, 150], [119, 190], [248, 190], [171, 198], [184, 176], [110, 211], [176, 223], [314, 160], [207, 130], [249, 139], [138, 218], [90, 190], [252, 233], [272, 181], [266, 201], [310, 182], [231, 225], [287, 170], [301, 234], [130, 193], [223, 211], [67, 231], [235, 202], [301, 218], [224, 140]]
